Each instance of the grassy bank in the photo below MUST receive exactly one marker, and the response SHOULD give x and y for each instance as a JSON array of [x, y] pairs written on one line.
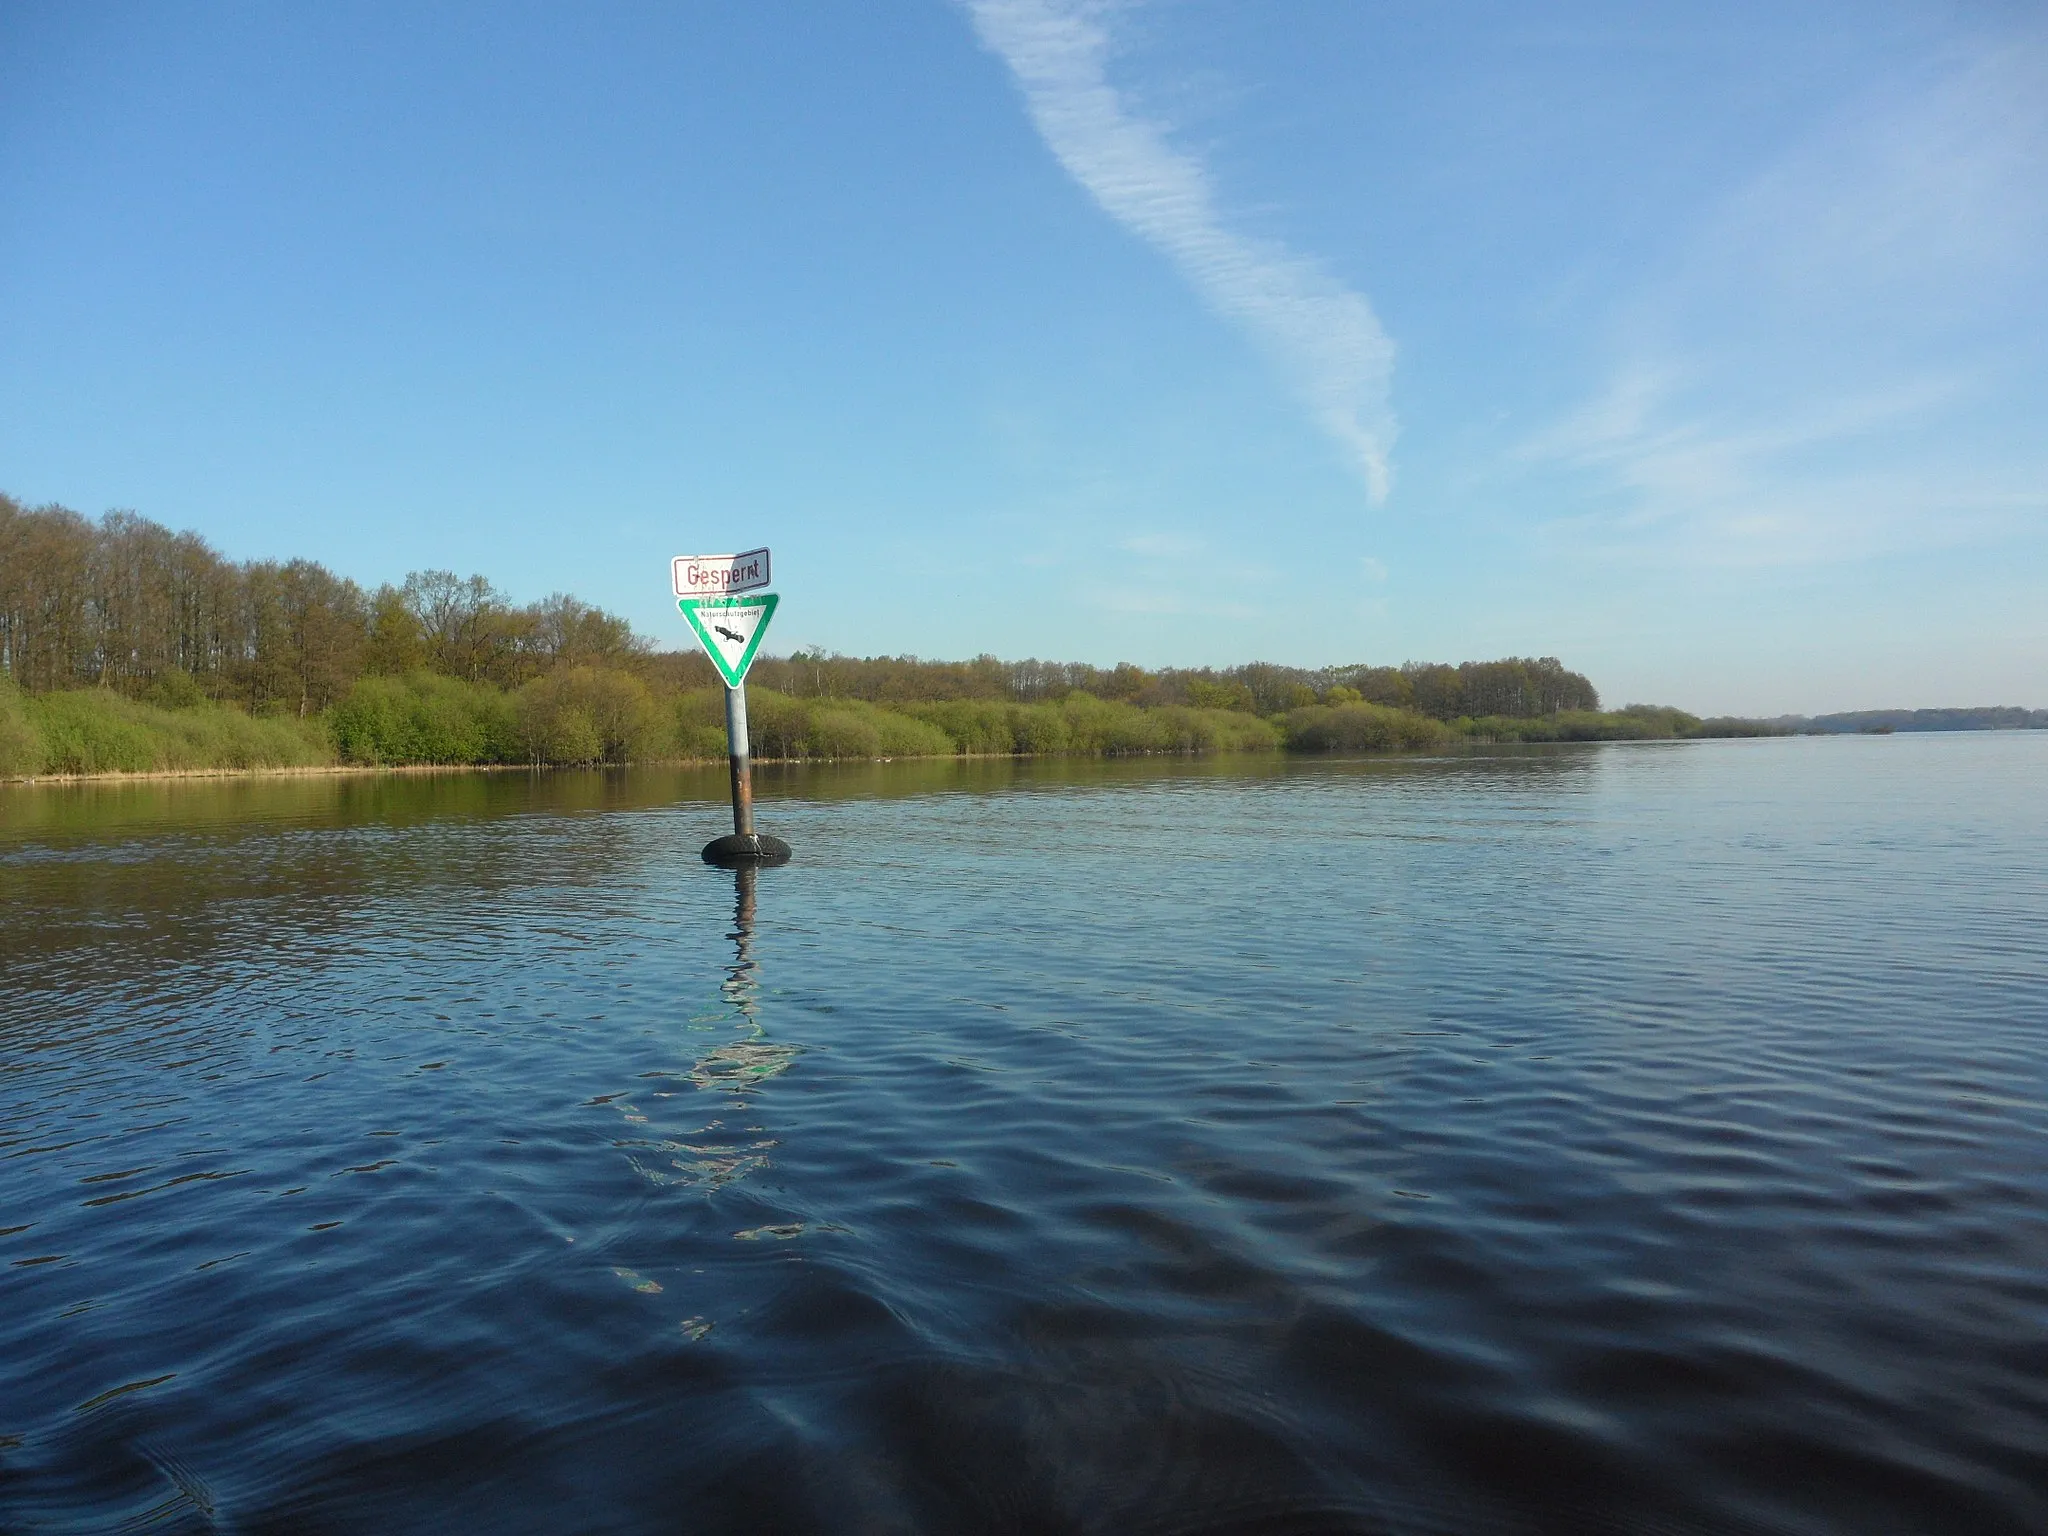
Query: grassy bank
[[1636, 722], [577, 716], [96, 731], [584, 715], [588, 715]]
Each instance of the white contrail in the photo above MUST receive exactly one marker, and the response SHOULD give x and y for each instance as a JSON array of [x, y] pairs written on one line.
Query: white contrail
[[1324, 337]]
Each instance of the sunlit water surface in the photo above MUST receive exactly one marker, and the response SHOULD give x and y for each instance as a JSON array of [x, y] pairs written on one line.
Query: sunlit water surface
[[1637, 1139]]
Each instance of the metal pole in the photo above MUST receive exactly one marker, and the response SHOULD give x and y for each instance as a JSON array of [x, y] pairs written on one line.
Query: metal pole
[[736, 755]]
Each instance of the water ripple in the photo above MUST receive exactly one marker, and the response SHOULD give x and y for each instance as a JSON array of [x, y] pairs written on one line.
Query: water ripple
[[1629, 1139]]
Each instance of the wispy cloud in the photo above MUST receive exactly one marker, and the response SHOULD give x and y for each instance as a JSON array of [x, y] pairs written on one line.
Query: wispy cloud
[[1164, 546], [1847, 475], [1324, 338], [1826, 371]]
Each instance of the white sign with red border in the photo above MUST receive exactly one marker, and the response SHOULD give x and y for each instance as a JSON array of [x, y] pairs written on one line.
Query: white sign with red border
[[720, 575]]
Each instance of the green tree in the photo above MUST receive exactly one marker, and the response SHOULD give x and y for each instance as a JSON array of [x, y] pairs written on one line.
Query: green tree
[[566, 631], [453, 616], [395, 645], [589, 715], [326, 625]]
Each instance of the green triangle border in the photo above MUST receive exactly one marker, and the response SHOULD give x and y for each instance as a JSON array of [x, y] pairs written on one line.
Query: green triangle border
[[693, 606]]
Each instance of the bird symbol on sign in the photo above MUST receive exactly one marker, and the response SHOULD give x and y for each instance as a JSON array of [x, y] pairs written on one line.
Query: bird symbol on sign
[[736, 639]]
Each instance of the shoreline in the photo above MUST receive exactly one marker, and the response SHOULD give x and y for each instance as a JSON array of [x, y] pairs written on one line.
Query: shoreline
[[317, 771], [367, 770], [356, 770]]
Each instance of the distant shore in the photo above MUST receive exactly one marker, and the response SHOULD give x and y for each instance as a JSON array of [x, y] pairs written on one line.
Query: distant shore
[[418, 770], [130, 651], [280, 771], [584, 717], [1464, 742]]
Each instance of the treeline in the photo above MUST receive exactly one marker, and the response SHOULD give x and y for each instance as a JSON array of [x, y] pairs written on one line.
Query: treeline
[[589, 715], [127, 647], [1516, 687], [1989, 717], [125, 603]]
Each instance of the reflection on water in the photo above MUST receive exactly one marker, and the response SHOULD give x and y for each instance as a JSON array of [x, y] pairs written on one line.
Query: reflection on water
[[721, 1150], [1587, 1139], [745, 1062]]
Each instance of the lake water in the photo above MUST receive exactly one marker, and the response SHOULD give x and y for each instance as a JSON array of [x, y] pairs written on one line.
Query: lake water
[[1640, 1138]]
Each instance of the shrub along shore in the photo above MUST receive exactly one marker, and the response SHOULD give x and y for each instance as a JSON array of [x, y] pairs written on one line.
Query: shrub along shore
[[592, 715], [127, 648]]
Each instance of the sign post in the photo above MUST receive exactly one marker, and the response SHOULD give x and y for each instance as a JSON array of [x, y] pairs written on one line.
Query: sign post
[[737, 753], [731, 629]]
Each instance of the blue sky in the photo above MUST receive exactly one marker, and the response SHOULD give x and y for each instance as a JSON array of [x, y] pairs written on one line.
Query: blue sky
[[1705, 346]]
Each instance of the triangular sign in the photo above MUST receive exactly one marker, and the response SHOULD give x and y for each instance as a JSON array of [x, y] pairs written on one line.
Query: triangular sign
[[730, 629]]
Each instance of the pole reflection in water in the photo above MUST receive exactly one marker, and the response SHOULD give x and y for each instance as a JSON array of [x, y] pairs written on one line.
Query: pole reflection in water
[[752, 1058], [725, 1148], [740, 984]]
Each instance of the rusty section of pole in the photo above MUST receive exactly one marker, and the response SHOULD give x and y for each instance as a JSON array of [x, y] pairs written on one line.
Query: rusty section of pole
[[742, 846], [742, 766]]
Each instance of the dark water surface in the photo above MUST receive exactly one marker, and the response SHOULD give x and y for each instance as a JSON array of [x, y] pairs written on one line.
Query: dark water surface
[[1638, 1138]]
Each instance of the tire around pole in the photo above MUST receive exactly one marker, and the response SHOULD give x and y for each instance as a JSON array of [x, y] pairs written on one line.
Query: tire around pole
[[755, 848]]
